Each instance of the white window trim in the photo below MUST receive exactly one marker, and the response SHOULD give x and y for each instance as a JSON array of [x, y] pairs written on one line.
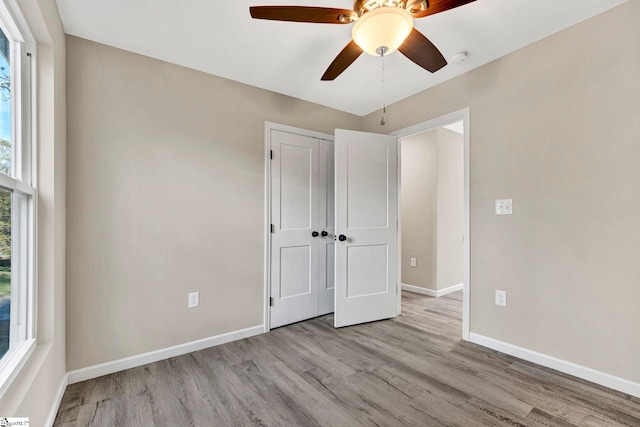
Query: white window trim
[[14, 362], [15, 26]]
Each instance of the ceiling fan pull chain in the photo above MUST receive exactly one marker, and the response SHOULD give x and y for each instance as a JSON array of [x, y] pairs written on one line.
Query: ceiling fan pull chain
[[384, 105]]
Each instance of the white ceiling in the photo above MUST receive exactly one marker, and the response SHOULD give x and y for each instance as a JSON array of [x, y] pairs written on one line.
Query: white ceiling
[[219, 37]]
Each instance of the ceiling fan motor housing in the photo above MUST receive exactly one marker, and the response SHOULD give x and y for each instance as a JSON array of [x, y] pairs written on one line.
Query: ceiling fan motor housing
[[412, 6], [363, 6]]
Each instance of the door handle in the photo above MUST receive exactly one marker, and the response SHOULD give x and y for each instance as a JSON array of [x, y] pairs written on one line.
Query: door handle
[[314, 234], [324, 234], [342, 237]]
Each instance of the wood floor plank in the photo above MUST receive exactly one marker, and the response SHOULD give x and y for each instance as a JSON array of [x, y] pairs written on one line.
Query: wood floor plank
[[313, 353], [604, 398], [361, 409], [538, 418], [136, 410], [308, 399], [271, 395], [413, 370], [388, 400], [202, 394], [166, 396], [465, 413]]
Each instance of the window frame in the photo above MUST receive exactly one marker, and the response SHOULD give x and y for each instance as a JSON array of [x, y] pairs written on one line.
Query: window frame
[[24, 194]]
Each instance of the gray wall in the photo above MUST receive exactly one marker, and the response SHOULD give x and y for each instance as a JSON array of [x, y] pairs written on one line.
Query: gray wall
[[165, 196], [555, 127], [418, 207], [432, 175], [450, 209]]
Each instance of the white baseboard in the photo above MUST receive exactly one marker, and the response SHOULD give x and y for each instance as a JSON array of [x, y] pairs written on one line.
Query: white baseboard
[[155, 356], [419, 290], [430, 292], [570, 368], [53, 412]]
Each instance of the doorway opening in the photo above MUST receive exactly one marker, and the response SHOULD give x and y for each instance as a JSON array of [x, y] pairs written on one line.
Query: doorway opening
[[434, 256]]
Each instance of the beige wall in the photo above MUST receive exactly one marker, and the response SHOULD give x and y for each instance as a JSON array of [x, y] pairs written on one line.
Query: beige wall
[[33, 392], [165, 196], [450, 209], [555, 127], [418, 207], [432, 209]]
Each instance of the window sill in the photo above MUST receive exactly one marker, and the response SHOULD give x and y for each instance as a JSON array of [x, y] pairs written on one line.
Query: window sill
[[13, 363]]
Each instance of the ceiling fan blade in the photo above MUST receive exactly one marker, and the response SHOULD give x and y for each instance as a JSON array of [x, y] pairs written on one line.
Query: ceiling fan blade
[[350, 53], [420, 50], [318, 15], [437, 6]]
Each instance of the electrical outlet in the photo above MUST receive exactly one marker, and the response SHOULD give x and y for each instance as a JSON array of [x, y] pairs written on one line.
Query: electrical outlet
[[501, 298], [504, 207], [194, 299], [414, 262]]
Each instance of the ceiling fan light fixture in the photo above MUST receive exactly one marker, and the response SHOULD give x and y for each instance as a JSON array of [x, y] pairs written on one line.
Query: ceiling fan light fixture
[[382, 27]]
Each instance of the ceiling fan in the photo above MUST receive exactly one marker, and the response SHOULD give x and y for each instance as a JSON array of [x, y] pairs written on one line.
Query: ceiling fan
[[381, 27]]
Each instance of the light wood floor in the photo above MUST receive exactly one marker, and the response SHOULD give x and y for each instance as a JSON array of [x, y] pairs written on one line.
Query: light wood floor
[[409, 371]]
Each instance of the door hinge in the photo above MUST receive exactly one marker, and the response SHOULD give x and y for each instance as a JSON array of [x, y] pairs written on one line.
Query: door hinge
[[270, 301], [271, 154], [273, 229]]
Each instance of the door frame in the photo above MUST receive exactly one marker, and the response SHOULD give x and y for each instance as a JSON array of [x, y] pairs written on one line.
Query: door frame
[[268, 127], [419, 128]]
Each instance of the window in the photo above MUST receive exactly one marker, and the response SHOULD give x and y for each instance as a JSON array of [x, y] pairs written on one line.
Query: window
[[17, 195]]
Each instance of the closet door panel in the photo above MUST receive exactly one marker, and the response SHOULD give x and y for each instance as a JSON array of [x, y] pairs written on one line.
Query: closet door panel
[[294, 215]]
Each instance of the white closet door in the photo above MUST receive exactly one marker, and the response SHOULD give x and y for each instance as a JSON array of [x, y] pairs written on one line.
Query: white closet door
[[367, 227], [326, 219], [294, 214]]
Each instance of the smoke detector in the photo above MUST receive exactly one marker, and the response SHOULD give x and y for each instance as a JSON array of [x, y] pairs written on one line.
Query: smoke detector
[[459, 58]]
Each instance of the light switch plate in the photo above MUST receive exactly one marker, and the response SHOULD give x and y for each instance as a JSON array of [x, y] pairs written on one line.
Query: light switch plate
[[413, 262], [501, 298], [504, 207], [194, 299]]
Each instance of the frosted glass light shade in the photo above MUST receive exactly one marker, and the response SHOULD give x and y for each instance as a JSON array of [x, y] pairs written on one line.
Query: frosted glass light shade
[[383, 26]]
